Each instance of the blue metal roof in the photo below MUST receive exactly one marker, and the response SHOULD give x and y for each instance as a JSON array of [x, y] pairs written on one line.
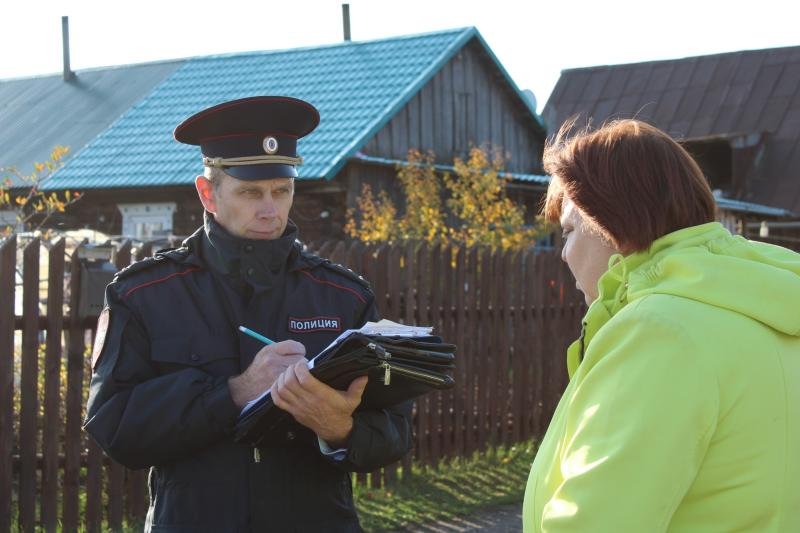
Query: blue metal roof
[[538, 179], [750, 207], [357, 87], [40, 112]]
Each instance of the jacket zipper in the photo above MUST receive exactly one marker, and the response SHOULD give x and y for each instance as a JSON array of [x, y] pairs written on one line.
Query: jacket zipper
[[582, 340]]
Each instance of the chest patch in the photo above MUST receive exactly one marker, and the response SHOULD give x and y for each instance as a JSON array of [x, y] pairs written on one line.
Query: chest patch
[[100, 337], [315, 323]]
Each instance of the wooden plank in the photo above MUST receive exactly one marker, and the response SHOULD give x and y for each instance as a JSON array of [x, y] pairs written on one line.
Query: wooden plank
[[435, 402], [542, 343], [412, 137], [8, 252], [73, 438], [337, 255], [411, 262], [505, 281], [472, 355], [448, 95], [389, 263], [94, 487], [325, 248], [29, 395], [427, 117], [383, 141], [52, 426], [136, 490], [379, 259], [446, 293], [409, 258], [421, 262], [455, 77], [123, 256], [398, 127], [390, 475], [115, 478], [521, 350], [513, 294], [115, 472], [469, 86], [497, 116], [533, 341], [484, 367], [465, 83], [483, 102], [376, 478], [499, 354], [353, 257], [143, 251], [460, 406], [394, 274]]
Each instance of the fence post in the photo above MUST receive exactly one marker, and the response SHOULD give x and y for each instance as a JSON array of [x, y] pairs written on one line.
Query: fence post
[[29, 393], [471, 351], [115, 471], [52, 427], [8, 261], [74, 402]]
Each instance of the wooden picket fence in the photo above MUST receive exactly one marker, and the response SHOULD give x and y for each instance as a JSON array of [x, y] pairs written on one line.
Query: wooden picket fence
[[511, 315]]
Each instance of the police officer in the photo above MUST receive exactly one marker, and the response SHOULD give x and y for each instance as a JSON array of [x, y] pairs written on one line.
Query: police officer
[[172, 372]]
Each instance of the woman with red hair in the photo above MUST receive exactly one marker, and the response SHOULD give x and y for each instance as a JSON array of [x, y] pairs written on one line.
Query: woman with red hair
[[683, 408]]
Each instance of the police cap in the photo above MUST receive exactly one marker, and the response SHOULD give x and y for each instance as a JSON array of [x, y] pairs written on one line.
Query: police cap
[[251, 138]]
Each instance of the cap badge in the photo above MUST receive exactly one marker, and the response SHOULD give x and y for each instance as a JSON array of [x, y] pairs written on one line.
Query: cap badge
[[270, 145]]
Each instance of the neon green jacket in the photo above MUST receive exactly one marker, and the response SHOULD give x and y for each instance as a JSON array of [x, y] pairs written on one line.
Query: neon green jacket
[[683, 413]]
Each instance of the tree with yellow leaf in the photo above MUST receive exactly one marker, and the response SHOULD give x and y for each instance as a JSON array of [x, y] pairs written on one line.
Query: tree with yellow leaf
[[32, 207], [477, 210]]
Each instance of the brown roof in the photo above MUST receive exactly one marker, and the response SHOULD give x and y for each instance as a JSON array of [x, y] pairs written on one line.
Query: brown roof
[[724, 95]]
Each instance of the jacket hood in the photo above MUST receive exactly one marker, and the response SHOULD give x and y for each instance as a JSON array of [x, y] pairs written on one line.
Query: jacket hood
[[707, 264]]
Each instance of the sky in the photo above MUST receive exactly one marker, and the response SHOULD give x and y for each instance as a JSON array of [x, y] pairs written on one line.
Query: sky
[[534, 40]]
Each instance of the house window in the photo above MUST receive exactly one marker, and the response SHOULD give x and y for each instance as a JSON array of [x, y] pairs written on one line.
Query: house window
[[8, 219], [147, 221], [715, 159]]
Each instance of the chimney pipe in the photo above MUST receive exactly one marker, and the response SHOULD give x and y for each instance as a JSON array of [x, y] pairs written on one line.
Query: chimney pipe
[[346, 21], [68, 74]]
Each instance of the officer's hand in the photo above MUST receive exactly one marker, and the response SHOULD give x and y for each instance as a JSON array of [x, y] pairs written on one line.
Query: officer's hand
[[326, 411], [269, 363]]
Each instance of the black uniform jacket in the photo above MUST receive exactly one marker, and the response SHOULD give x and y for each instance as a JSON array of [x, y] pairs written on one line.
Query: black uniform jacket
[[159, 394]]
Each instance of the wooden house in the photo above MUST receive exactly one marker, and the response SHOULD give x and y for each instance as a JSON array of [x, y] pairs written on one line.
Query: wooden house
[[442, 91], [737, 113]]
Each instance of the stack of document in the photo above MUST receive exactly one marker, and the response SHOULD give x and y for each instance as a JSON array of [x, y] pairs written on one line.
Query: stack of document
[[402, 362], [383, 327]]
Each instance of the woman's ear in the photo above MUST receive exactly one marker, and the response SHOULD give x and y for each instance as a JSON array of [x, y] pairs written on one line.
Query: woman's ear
[[206, 192]]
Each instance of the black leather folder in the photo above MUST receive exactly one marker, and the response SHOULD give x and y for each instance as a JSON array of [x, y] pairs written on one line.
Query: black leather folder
[[399, 369]]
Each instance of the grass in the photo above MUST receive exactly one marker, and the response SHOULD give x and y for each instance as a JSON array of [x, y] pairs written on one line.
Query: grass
[[457, 488]]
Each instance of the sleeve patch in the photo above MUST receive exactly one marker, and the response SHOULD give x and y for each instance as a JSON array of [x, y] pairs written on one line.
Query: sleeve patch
[[100, 337]]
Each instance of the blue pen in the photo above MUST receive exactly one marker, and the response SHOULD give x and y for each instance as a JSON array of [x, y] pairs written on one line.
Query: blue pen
[[262, 338]]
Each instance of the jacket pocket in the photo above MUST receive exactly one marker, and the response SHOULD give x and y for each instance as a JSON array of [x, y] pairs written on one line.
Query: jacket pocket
[[216, 355]]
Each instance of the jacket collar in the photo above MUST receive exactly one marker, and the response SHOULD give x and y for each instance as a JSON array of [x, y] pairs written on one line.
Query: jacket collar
[[258, 263], [621, 282]]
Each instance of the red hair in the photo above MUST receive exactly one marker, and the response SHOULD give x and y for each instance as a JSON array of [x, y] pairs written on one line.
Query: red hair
[[631, 180]]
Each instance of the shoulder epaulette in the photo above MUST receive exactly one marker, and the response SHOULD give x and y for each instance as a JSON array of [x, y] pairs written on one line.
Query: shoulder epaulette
[[346, 272], [150, 262], [313, 260]]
